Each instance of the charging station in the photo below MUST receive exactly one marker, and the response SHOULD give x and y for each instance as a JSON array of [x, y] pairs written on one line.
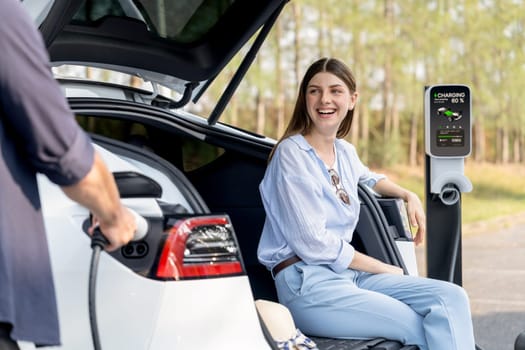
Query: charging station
[[448, 141]]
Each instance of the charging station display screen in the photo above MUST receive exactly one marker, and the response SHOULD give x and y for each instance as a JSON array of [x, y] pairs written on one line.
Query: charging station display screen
[[450, 138], [448, 120]]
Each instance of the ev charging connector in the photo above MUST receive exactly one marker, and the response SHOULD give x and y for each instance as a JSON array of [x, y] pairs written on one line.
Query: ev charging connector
[[98, 243], [448, 141]]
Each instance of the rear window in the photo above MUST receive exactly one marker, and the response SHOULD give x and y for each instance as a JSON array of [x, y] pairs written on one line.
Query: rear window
[[178, 21], [184, 152]]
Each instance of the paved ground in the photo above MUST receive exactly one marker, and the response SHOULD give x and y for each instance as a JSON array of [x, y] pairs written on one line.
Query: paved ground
[[494, 277]]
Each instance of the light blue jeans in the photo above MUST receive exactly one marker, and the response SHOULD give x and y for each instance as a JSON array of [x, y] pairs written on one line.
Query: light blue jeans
[[432, 314]]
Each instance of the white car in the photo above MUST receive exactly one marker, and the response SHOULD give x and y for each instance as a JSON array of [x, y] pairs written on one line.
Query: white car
[[192, 281]]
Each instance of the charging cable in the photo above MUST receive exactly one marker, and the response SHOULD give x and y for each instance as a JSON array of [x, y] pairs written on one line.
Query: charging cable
[[449, 196], [455, 245], [99, 243]]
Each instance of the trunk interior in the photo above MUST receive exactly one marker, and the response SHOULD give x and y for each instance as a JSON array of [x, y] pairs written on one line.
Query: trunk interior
[[226, 173]]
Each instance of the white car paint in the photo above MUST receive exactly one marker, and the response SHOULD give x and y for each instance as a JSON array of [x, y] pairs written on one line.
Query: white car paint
[[135, 312], [408, 252]]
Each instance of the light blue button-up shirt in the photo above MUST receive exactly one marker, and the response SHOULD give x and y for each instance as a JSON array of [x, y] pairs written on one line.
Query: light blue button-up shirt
[[304, 216]]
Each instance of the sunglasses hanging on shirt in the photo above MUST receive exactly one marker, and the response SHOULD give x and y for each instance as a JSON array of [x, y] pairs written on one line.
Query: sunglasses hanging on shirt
[[339, 190]]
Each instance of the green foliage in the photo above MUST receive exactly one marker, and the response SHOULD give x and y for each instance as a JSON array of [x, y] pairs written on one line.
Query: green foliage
[[497, 189], [395, 49]]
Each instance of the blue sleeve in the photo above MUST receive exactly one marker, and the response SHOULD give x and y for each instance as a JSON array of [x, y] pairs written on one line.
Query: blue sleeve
[[34, 107]]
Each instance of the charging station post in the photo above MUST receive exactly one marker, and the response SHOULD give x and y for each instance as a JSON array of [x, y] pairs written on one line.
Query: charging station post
[[448, 140]]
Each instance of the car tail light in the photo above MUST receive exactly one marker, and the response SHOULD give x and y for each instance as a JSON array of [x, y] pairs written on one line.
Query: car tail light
[[200, 247]]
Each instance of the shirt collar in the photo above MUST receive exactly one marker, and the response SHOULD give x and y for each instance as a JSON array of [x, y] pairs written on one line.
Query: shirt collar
[[305, 146], [301, 142]]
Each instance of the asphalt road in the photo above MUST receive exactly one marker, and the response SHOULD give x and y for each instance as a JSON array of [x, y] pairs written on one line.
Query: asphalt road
[[494, 277]]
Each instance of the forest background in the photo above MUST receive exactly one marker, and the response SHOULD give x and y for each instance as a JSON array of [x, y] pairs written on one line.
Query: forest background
[[395, 48]]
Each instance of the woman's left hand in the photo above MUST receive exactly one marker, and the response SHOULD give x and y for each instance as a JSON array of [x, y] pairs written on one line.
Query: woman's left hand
[[416, 216]]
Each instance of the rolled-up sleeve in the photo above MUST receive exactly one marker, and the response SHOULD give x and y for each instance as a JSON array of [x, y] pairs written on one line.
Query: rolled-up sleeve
[[74, 164], [370, 179], [344, 258]]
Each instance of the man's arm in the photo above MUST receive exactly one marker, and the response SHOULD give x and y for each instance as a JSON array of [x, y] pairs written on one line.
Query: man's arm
[[98, 192], [44, 131]]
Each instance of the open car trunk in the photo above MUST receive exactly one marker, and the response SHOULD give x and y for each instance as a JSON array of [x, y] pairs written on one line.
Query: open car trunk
[[226, 172], [183, 47]]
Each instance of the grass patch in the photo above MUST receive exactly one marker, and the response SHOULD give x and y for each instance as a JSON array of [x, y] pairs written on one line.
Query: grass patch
[[498, 190]]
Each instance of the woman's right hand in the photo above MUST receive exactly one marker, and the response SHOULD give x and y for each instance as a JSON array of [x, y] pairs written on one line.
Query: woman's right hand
[[395, 270], [363, 262]]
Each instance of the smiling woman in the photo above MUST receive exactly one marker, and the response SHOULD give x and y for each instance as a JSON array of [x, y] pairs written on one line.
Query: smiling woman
[[310, 195]]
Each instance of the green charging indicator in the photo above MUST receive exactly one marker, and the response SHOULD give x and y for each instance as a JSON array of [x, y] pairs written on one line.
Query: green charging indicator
[[450, 137]]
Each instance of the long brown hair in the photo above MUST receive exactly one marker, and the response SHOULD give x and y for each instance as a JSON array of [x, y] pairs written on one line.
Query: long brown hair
[[300, 123]]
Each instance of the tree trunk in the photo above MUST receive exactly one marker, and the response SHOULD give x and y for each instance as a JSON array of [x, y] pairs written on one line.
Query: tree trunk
[[296, 9], [354, 131], [322, 31], [498, 141], [365, 133], [412, 153], [516, 148], [280, 98], [357, 53], [387, 81], [505, 149], [395, 132], [479, 140], [234, 111], [261, 113]]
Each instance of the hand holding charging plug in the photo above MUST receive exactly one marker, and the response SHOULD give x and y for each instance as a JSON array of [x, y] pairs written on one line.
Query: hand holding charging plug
[[126, 226]]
